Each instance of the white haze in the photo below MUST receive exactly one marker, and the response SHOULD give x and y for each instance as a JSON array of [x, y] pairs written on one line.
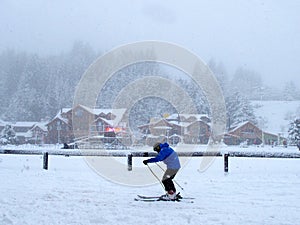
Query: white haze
[[260, 35]]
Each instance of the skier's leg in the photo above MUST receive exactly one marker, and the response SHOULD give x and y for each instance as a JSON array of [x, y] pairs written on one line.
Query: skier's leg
[[167, 180], [168, 184]]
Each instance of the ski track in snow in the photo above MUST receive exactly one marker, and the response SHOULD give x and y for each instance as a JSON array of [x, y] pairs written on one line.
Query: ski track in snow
[[255, 191]]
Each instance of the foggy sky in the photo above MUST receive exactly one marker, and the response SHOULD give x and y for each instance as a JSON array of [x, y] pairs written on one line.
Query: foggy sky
[[260, 35]]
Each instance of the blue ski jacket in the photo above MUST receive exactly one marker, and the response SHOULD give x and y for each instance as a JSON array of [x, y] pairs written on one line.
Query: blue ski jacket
[[168, 156]]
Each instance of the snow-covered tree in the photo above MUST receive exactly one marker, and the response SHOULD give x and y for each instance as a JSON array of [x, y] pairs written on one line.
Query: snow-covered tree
[[8, 135], [238, 109], [33, 87], [291, 92], [150, 106], [220, 73], [294, 131], [248, 82]]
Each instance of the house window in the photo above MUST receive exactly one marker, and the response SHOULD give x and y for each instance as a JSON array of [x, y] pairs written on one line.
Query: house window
[[100, 126], [248, 131], [79, 113]]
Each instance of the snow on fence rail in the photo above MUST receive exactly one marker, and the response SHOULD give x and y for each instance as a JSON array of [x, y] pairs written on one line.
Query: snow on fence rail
[[131, 154]]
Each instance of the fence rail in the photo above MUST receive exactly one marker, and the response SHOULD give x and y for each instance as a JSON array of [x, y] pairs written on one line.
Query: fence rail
[[131, 154]]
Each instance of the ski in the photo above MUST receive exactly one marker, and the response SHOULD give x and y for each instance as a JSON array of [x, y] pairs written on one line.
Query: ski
[[156, 197], [146, 199], [162, 200], [156, 200]]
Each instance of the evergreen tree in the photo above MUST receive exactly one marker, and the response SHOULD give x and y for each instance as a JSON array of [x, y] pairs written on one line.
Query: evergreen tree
[[220, 73], [294, 131], [291, 92], [238, 109], [8, 135], [34, 87], [248, 82]]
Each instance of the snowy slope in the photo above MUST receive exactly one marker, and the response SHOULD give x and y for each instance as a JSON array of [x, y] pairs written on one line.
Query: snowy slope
[[277, 114], [255, 191]]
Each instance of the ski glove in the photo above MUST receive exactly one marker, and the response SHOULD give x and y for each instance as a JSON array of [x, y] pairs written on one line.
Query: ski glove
[[145, 162]]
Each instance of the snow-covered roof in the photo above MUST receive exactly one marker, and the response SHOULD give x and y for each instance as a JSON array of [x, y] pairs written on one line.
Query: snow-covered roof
[[23, 124], [172, 122], [65, 110], [41, 125], [118, 113], [182, 124], [163, 127], [238, 125], [59, 116], [97, 111], [109, 122], [187, 116], [27, 134]]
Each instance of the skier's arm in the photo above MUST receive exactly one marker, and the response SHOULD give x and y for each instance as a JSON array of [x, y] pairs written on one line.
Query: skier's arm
[[160, 156]]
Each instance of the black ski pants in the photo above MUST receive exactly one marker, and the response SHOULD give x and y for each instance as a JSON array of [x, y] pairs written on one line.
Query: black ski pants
[[167, 179]]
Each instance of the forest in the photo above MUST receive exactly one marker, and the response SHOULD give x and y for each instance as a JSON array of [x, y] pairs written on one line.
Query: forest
[[35, 87]]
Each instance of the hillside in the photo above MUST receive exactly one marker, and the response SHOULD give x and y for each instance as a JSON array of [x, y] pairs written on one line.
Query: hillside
[[275, 116]]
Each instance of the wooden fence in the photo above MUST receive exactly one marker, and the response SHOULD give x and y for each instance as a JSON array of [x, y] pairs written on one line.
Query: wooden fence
[[131, 154]]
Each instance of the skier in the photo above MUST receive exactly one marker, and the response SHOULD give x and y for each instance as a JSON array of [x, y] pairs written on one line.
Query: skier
[[170, 158], [298, 145]]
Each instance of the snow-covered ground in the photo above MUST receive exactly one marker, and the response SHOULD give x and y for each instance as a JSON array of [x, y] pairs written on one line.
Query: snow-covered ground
[[277, 115], [255, 191]]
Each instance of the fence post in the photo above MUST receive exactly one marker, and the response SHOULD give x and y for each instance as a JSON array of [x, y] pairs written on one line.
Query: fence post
[[129, 162], [226, 163], [45, 160]]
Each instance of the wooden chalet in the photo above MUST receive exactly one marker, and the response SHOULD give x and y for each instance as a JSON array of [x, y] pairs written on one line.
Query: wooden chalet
[[245, 131], [85, 124], [272, 139], [198, 132], [60, 127], [26, 132], [187, 128], [248, 132], [159, 131], [39, 133]]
